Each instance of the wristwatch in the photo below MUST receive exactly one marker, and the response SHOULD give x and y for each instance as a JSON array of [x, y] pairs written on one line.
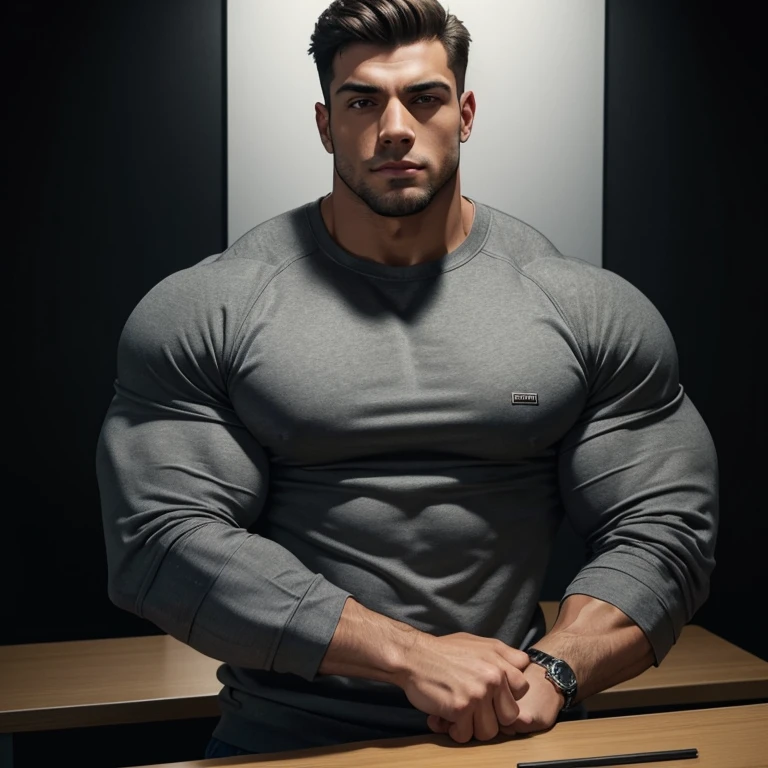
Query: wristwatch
[[558, 672]]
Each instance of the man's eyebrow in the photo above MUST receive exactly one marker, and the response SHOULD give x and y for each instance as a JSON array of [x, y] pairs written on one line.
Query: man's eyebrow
[[415, 88]]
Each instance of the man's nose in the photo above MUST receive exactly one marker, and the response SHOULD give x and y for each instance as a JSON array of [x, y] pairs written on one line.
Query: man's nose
[[395, 124]]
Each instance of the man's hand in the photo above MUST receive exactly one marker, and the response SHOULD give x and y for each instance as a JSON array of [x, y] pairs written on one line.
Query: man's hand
[[469, 683], [538, 707]]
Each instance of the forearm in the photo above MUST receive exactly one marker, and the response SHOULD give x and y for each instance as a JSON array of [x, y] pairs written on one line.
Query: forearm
[[367, 644], [233, 596], [601, 644]]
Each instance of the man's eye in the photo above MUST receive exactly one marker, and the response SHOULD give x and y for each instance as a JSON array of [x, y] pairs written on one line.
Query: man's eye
[[358, 101]]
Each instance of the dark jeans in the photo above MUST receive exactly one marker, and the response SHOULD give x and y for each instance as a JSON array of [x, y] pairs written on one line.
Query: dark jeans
[[217, 748], [578, 712]]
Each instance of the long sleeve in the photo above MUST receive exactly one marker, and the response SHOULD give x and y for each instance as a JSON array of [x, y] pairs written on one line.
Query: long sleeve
[[182, 480], [638, 470]]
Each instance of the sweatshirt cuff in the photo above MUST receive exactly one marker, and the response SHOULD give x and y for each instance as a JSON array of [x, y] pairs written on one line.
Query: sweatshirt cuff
[[633, 598], [309, 631]]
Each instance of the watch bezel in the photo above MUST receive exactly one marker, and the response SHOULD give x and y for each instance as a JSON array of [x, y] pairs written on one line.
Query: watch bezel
[[564, 673], [549, 664]]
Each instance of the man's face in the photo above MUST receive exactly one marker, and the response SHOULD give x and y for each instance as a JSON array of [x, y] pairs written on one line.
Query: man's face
[[368, 129]]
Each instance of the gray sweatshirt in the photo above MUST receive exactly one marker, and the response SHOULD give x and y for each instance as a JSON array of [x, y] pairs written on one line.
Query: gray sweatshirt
[[293, 424]]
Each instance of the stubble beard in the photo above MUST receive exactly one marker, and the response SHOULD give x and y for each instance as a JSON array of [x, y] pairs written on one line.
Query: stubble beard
[[393, 203]]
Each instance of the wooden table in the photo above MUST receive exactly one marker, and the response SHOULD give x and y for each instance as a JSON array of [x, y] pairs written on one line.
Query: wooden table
[[50, 686], [728, 737], [47, 686]]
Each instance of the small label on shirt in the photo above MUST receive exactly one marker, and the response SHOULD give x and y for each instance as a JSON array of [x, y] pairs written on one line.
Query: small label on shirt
[[525, 398]]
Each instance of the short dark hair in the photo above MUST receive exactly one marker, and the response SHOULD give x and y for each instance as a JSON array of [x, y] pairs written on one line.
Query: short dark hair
[[389, 23]]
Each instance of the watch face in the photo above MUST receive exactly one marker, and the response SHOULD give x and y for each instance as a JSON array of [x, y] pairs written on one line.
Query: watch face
[[563, 673]]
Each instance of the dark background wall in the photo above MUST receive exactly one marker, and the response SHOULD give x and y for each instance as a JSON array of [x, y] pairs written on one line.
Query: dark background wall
[[685, 198], [115, 177], [684, 209]]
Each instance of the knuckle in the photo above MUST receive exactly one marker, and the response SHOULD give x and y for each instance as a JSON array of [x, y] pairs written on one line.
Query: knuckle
[[514, 654], [468, 701], [477, 693], [518, 657], [460, 706], [516, 677], [492, 677]]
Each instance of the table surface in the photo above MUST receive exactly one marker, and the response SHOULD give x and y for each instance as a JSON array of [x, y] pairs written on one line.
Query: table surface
[[80, 683], [728, 737]]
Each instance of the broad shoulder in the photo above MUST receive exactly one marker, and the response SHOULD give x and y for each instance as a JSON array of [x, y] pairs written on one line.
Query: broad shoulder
[[574, 284], [229, 281], [600, 306]]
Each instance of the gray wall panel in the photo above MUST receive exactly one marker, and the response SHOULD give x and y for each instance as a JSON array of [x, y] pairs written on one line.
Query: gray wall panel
[[536, 151]]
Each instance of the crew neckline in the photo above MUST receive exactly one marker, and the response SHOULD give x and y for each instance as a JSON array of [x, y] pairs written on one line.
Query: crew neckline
[[470, 246]]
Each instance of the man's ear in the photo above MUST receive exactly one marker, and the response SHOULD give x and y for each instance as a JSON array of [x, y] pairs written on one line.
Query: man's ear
[[323, 120]]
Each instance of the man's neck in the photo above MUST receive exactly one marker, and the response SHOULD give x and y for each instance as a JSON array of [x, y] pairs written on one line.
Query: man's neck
[[398, 241]]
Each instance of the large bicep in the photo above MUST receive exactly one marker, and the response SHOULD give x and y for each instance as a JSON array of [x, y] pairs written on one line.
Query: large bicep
[[638, 473], [182, 458], [173, 454], [639, 441], [182, 480], [622, 478]]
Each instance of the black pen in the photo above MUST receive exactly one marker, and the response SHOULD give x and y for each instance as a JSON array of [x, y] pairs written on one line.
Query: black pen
[[628, 759]]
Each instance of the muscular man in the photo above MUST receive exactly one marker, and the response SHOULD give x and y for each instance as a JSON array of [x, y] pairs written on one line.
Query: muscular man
[[339, 452]]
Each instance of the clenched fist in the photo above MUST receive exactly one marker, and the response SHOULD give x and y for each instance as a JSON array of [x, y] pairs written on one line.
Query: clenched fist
[[471, 682]]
